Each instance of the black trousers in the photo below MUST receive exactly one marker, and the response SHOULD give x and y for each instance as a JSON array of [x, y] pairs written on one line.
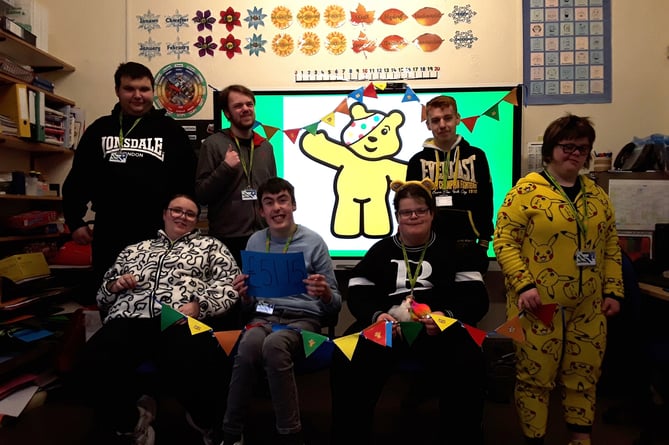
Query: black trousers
[[451, 366]]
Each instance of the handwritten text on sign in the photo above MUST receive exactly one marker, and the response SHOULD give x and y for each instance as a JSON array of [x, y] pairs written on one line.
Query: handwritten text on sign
[[273, 275]]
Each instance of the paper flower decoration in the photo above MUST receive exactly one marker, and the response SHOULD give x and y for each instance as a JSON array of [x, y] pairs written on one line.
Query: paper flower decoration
[[231, 46], [204, 20], [230, 18], [205, 46]]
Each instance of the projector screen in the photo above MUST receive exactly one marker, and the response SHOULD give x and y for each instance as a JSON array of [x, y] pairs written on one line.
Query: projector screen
[[313, 136]]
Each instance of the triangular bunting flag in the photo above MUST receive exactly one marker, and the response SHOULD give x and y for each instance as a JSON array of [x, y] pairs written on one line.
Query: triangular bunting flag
[[443, 321], [477, 334], [545, 313], [512, 97], [347, 344], [470, 122], [279, 327], [169, 316], [342, 107], [256, 124], [380, 85], [227, 339], [269, 131], [197, 327], [329, 119], [378, 333], [512, 329], [370, 91], [312, 128], [357, 94], [410, 330], [409, 96], [423, 113], [292, 134], [311, 341], [493, 112]]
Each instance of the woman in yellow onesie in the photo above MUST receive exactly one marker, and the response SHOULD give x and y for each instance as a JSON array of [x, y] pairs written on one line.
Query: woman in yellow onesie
[[556, 242]]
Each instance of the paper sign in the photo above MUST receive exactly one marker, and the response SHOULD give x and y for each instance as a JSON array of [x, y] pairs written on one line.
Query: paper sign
[[273, 275]]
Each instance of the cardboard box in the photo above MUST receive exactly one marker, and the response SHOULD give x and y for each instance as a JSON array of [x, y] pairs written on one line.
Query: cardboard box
[[24, 266]]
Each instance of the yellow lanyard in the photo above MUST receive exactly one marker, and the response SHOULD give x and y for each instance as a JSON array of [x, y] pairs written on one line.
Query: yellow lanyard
[[120, 129], [248, 172], [288, 241], [447, 166], [580, 219], [413, 277]]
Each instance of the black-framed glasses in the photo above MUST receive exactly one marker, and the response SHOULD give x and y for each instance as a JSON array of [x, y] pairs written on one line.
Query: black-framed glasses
[[570, 148], [176, 212], [407, 213]]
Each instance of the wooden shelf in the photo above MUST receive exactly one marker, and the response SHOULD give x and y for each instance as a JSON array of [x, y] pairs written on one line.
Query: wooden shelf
[[32, 197], [20, 144], [27, 54]]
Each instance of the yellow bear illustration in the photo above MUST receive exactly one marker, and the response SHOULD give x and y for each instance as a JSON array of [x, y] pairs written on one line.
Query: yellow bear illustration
[[365, 165]]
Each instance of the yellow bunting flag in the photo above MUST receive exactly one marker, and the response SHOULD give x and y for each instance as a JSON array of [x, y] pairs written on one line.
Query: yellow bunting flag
[[197, 327], [380, 332], [380, 85], [347, 344], [512, 329], [169, 316], [329, 119], [311, 341], [227, 339], [443, 321], [477, 334]]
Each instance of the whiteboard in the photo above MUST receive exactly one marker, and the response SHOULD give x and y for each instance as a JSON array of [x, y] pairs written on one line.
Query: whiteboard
[[639, 204]]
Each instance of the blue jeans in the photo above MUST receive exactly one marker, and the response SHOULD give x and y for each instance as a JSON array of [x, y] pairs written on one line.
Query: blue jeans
[[274, 352]]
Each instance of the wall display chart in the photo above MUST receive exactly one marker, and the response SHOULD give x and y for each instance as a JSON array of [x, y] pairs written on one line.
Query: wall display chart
[[567, 51]]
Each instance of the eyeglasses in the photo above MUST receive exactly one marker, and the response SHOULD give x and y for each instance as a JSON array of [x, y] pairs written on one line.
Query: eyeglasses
[[177, 212], [406, 214], [570, 148]]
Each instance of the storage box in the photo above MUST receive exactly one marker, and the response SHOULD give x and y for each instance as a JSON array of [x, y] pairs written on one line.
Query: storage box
[[34, 17], [19, 31], [30, 220], [24, 266]]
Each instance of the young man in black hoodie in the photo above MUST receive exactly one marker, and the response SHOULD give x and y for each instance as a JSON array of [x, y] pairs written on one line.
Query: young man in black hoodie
[[126, 166]]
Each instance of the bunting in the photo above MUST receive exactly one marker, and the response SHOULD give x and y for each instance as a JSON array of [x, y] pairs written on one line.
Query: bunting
[[370, 91]]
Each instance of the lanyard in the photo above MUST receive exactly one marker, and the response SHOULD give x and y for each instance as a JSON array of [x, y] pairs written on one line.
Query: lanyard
[[580, 219], [248, 172], [288, 241], [447, 166], [120, 129], [413, 277]]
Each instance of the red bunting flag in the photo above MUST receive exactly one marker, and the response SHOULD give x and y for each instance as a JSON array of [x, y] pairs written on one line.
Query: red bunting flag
[[378, 333], [292, 134], [477, 334], [545, 313], [370, 91], [470, 122]]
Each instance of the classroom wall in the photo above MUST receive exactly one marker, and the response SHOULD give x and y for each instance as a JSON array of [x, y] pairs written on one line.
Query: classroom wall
[[92, 36]]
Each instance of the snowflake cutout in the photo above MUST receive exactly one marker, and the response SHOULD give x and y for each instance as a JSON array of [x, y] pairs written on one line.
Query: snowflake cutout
[[204, 20], [176, 21], [230, 18], [462, 14], [255, 17], [231, 46], [463, 39], [205, 46], [178, 48], [256, 45], [148, 21], [149, 49]]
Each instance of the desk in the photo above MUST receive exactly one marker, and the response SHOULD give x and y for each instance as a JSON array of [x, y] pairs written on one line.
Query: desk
[[654, 291]]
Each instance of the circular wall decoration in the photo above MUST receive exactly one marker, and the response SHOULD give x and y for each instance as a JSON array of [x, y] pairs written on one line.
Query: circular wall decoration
[[180, 89]]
